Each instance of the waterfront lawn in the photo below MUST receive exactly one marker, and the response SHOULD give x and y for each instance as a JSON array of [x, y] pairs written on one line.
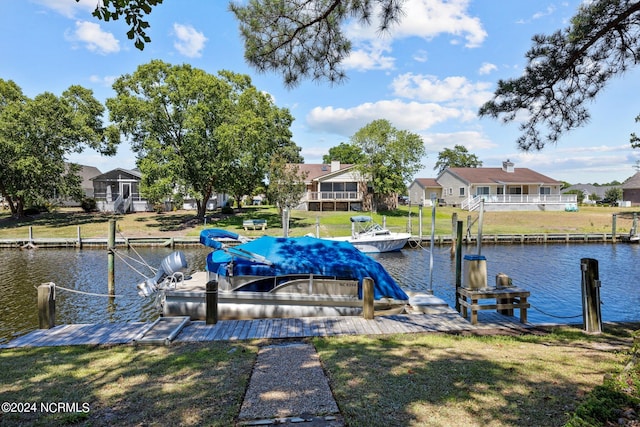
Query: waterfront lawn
[[543, 379], [64, 223], [441, 380], [187, 385]]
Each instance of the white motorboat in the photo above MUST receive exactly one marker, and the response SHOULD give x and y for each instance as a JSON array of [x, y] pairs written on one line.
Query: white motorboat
[[370, 237]]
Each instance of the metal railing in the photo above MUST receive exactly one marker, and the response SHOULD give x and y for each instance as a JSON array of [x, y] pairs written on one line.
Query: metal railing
[[472, 203], [333, 195]]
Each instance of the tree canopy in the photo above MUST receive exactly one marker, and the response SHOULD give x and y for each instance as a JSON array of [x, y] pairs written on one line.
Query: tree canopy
[[458, 157], [566, 70], [297, 38], [391, 157], [195, 133], [344, 153], [36, 137]]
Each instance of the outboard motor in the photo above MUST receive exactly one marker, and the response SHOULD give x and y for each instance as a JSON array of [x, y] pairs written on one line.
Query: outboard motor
[[173, 263]]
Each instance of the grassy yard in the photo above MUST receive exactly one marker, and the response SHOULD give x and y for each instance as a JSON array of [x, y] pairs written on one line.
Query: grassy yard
[[400, 380], [64, 223]]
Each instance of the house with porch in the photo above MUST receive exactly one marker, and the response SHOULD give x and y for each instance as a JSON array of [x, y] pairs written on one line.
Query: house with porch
[[333, 187], [502, 189], [119, 191]]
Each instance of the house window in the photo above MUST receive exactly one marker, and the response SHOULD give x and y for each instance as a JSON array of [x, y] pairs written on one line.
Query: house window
[[515, 190], [545, 190], [461, 191], [482, 191], [450, 191]]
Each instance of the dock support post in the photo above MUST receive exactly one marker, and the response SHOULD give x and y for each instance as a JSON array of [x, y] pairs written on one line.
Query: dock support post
[[212, 302], [458, 262], [111, 275], [79, 239], [367, 298], [318, 227], [46, 306], [591, 295], [613, 227], [454, 224]]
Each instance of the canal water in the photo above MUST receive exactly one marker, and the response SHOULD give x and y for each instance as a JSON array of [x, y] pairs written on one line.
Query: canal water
[[551, 272]]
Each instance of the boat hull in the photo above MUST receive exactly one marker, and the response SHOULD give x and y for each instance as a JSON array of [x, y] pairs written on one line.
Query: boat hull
[[377, 244], [294, 300]]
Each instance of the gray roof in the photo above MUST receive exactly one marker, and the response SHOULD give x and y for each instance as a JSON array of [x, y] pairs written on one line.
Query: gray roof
[[632, 182]]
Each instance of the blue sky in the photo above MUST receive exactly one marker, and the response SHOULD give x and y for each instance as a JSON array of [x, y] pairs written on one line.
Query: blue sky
[[429, 75]]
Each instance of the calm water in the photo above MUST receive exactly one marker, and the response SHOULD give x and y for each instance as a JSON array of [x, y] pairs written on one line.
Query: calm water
[[551, 272]]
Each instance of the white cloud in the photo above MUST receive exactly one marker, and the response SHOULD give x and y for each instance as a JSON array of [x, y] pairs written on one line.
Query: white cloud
[[487, 68], [428, 19], [104, 81], [93, 38], [70, 8], [473, 140], [421, 56], [413, 116], [370, 56], [454, 90], [190, 42]]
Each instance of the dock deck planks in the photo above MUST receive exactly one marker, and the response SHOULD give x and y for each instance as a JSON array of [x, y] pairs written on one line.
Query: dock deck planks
[[236, 330]]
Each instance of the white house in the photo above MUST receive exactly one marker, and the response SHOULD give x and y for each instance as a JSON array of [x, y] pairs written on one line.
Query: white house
[[333, 187], [504, 188]]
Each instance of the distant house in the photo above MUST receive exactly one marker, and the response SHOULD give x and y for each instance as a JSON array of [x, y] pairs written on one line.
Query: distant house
[[333, 187], [423, 190], [119, 191], [589, 190], [86, 173], [631, 190], [504, 188]]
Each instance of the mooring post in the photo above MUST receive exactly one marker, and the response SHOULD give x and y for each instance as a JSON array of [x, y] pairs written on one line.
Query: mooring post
[[46, 306], [111, 275], [211, 300], [613, 227], [79, 239], [591, 295], [454, 224], [318, 227], [458, 263], [367, 298], [635, 223]]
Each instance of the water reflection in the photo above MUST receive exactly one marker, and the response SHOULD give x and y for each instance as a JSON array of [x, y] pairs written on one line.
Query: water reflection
[[551, 272]]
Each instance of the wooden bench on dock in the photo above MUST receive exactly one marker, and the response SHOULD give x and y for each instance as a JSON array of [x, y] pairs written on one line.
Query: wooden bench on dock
[[506, 300], [255, 224]]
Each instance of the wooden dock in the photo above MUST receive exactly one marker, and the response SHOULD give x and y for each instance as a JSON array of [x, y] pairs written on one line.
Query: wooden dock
[[234, 330], [414, 241]]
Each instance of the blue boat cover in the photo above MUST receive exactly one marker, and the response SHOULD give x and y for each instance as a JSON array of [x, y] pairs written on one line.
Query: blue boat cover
[[208, 237], [275, 256]]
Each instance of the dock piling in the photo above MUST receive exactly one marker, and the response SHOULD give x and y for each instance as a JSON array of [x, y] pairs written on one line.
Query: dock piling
[[46, 306], [111, 276], [211, 300], [367, 298], [591, 295]]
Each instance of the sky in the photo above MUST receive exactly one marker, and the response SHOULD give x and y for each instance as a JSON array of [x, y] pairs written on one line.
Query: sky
[[428, 75]]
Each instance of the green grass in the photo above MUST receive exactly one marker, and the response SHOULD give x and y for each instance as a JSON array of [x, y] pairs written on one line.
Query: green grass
[[195, 384], [548, 378], [441, 380], [64, 223]]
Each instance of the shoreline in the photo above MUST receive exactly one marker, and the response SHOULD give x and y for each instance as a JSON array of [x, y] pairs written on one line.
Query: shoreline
[[414, 241]]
